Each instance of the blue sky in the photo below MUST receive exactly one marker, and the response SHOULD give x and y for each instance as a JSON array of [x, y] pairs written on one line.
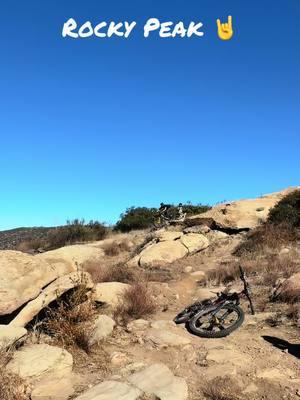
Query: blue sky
[[92, 126]]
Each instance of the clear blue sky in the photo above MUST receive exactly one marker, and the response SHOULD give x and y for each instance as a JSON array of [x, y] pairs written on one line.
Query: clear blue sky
[[92, 126]]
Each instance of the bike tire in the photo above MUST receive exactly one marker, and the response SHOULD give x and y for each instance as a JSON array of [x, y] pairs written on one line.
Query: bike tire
[[182, 317], [222, 333]]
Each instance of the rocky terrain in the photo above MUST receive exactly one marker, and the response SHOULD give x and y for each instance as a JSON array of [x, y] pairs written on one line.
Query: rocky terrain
[[95, 321]]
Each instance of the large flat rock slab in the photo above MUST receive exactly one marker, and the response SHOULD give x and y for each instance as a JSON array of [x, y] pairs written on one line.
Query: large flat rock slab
[[111, 390], [51, 293], [158, 380], [22, 278], [162, 253], [10, 335], [38, 360]]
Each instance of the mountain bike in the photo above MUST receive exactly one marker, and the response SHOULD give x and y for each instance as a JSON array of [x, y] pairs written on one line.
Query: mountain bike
[[218, 317], [169, 217]]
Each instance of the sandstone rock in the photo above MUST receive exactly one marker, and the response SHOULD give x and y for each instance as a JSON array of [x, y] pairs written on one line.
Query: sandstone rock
[[49, 294], [164, 236], [194, 242], [158, 380], [234, 357], [199, 275], [206, 293], [288, 289], [38, 360], [138, 325], [53, 389], [118, 358], [162, 253], [104, 327], [165, 338], [71, 256], [134, 262], [197, 229], [9, 335], [111, 390], [243, 214], [110, 292], [22, 278], [215, 236]]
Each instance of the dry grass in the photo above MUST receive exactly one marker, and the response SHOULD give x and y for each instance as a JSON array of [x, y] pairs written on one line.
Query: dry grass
[[70, 322], [222, 388], [293, 313], [119, 272], [137, 303], [116, 247], [12, 387], [264, 271], [267, 236]]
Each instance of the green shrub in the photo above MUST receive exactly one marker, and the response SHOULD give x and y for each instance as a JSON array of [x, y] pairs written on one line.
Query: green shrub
[[281, 227], [287, 211], [143, 217], [136, 218]]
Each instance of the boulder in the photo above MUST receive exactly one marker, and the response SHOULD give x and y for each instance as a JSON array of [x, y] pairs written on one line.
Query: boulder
[[138, 325], [159, 381], [53, 389], [165, 333], [49, 294], [22, 278], [104, 326], [203, 229], [243, 214], [162, 253], [164, 236], [206, 293], [194, 242], [110, 292], [10, 335], [39, 360], [224, 355], [288, 289], [215, 236], [71, 256], [111, 390]]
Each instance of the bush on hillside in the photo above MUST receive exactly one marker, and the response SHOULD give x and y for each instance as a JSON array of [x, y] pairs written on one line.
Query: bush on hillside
[[287, 211], [76, 231], [281, 227], [136, 218], [143, 217], [73, 232]]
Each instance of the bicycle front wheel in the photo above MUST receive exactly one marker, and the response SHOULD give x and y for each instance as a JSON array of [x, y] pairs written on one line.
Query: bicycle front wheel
[[217, 325]]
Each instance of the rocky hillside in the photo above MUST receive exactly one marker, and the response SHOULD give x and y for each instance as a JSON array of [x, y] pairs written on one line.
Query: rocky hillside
[[10, 239], [95, 321]]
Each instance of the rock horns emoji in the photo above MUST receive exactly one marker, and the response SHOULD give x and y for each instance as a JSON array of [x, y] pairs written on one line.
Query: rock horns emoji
[[225, 31]]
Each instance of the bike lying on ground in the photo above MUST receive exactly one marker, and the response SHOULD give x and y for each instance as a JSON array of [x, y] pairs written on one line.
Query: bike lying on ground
[[219, 317]]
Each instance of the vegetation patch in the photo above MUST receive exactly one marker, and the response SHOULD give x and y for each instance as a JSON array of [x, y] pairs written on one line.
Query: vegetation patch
[[76, 231], [12, 387], [143, 217], [137, 303]]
